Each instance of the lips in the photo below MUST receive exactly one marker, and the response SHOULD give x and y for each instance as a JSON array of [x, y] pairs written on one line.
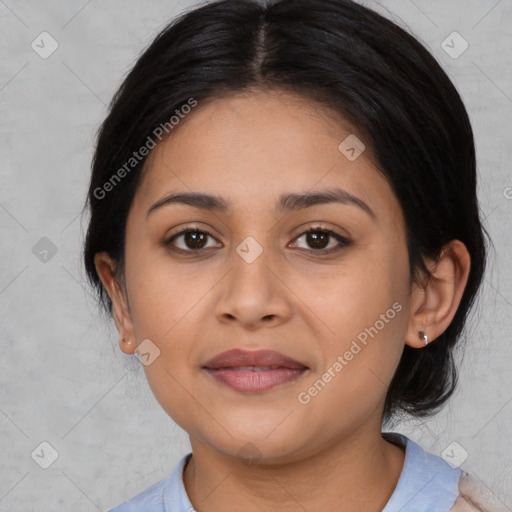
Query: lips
[[254, 372], [238, 358]]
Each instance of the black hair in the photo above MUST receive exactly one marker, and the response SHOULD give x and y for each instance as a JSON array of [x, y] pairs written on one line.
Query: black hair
[[358, 64]]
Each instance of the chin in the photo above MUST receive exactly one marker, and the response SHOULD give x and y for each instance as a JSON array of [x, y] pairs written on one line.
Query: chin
[[253, 447]]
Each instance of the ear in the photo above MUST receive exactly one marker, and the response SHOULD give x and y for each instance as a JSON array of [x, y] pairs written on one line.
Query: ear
[[106, 268], [435, 302]]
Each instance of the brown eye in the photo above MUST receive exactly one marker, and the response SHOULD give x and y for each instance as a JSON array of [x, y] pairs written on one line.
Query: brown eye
[[318, 240], [193, 240]]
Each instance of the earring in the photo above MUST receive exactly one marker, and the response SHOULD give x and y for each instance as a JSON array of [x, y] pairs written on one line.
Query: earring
[[422, 336]]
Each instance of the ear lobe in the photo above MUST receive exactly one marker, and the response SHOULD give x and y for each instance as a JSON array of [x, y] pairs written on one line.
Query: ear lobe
[[106, 268], [435, 302], [128, 346]]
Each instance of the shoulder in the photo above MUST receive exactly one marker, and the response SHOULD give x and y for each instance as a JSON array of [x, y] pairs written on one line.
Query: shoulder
[[151, 499], [427, 482], [163, 496], [474, 496]]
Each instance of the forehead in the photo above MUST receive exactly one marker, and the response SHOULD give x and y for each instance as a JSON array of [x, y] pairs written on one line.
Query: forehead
[[252, 147]]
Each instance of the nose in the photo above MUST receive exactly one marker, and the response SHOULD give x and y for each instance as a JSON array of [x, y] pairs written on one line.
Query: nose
[[253, 294]]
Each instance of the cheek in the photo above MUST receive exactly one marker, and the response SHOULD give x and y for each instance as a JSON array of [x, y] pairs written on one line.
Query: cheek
[[357, 369], [349, 297], [163, 293], [167, 307], [365, 308]]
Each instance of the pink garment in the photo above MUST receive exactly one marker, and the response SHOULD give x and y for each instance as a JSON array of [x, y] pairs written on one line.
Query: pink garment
[[474, 496]]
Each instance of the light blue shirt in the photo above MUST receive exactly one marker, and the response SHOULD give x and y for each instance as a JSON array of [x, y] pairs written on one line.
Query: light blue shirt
[[426, 483]]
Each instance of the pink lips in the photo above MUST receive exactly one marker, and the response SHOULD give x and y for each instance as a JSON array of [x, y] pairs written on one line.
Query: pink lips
[[253, 371]]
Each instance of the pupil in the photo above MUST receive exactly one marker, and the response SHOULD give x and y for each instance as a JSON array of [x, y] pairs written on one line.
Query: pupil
[[315, 236], [193, 237]]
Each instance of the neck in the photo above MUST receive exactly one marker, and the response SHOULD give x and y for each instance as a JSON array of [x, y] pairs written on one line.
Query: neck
[[357, 473]]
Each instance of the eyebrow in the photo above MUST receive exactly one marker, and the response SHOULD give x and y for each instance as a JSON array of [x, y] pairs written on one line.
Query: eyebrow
[[286, 203]]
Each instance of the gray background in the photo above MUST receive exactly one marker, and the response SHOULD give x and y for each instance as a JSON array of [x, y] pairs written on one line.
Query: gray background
[[63, 378]]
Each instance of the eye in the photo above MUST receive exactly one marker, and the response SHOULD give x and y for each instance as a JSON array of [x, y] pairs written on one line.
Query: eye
[[194, 239], [319, 239]]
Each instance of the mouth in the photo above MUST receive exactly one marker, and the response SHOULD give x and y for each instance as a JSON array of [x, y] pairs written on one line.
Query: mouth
[[254, 371]]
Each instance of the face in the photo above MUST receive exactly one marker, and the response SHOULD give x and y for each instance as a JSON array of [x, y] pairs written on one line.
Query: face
[[336, 300]]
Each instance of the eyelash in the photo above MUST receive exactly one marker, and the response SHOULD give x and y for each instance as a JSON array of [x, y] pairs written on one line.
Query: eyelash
[[317, 229]]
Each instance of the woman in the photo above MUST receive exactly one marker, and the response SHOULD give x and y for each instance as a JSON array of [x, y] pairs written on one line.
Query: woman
[[285, 227]]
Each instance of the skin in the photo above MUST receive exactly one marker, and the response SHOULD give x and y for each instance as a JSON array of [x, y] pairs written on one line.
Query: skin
[[328, 454]]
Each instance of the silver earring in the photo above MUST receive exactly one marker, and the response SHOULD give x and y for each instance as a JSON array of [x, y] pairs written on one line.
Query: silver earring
[[422, 336]]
